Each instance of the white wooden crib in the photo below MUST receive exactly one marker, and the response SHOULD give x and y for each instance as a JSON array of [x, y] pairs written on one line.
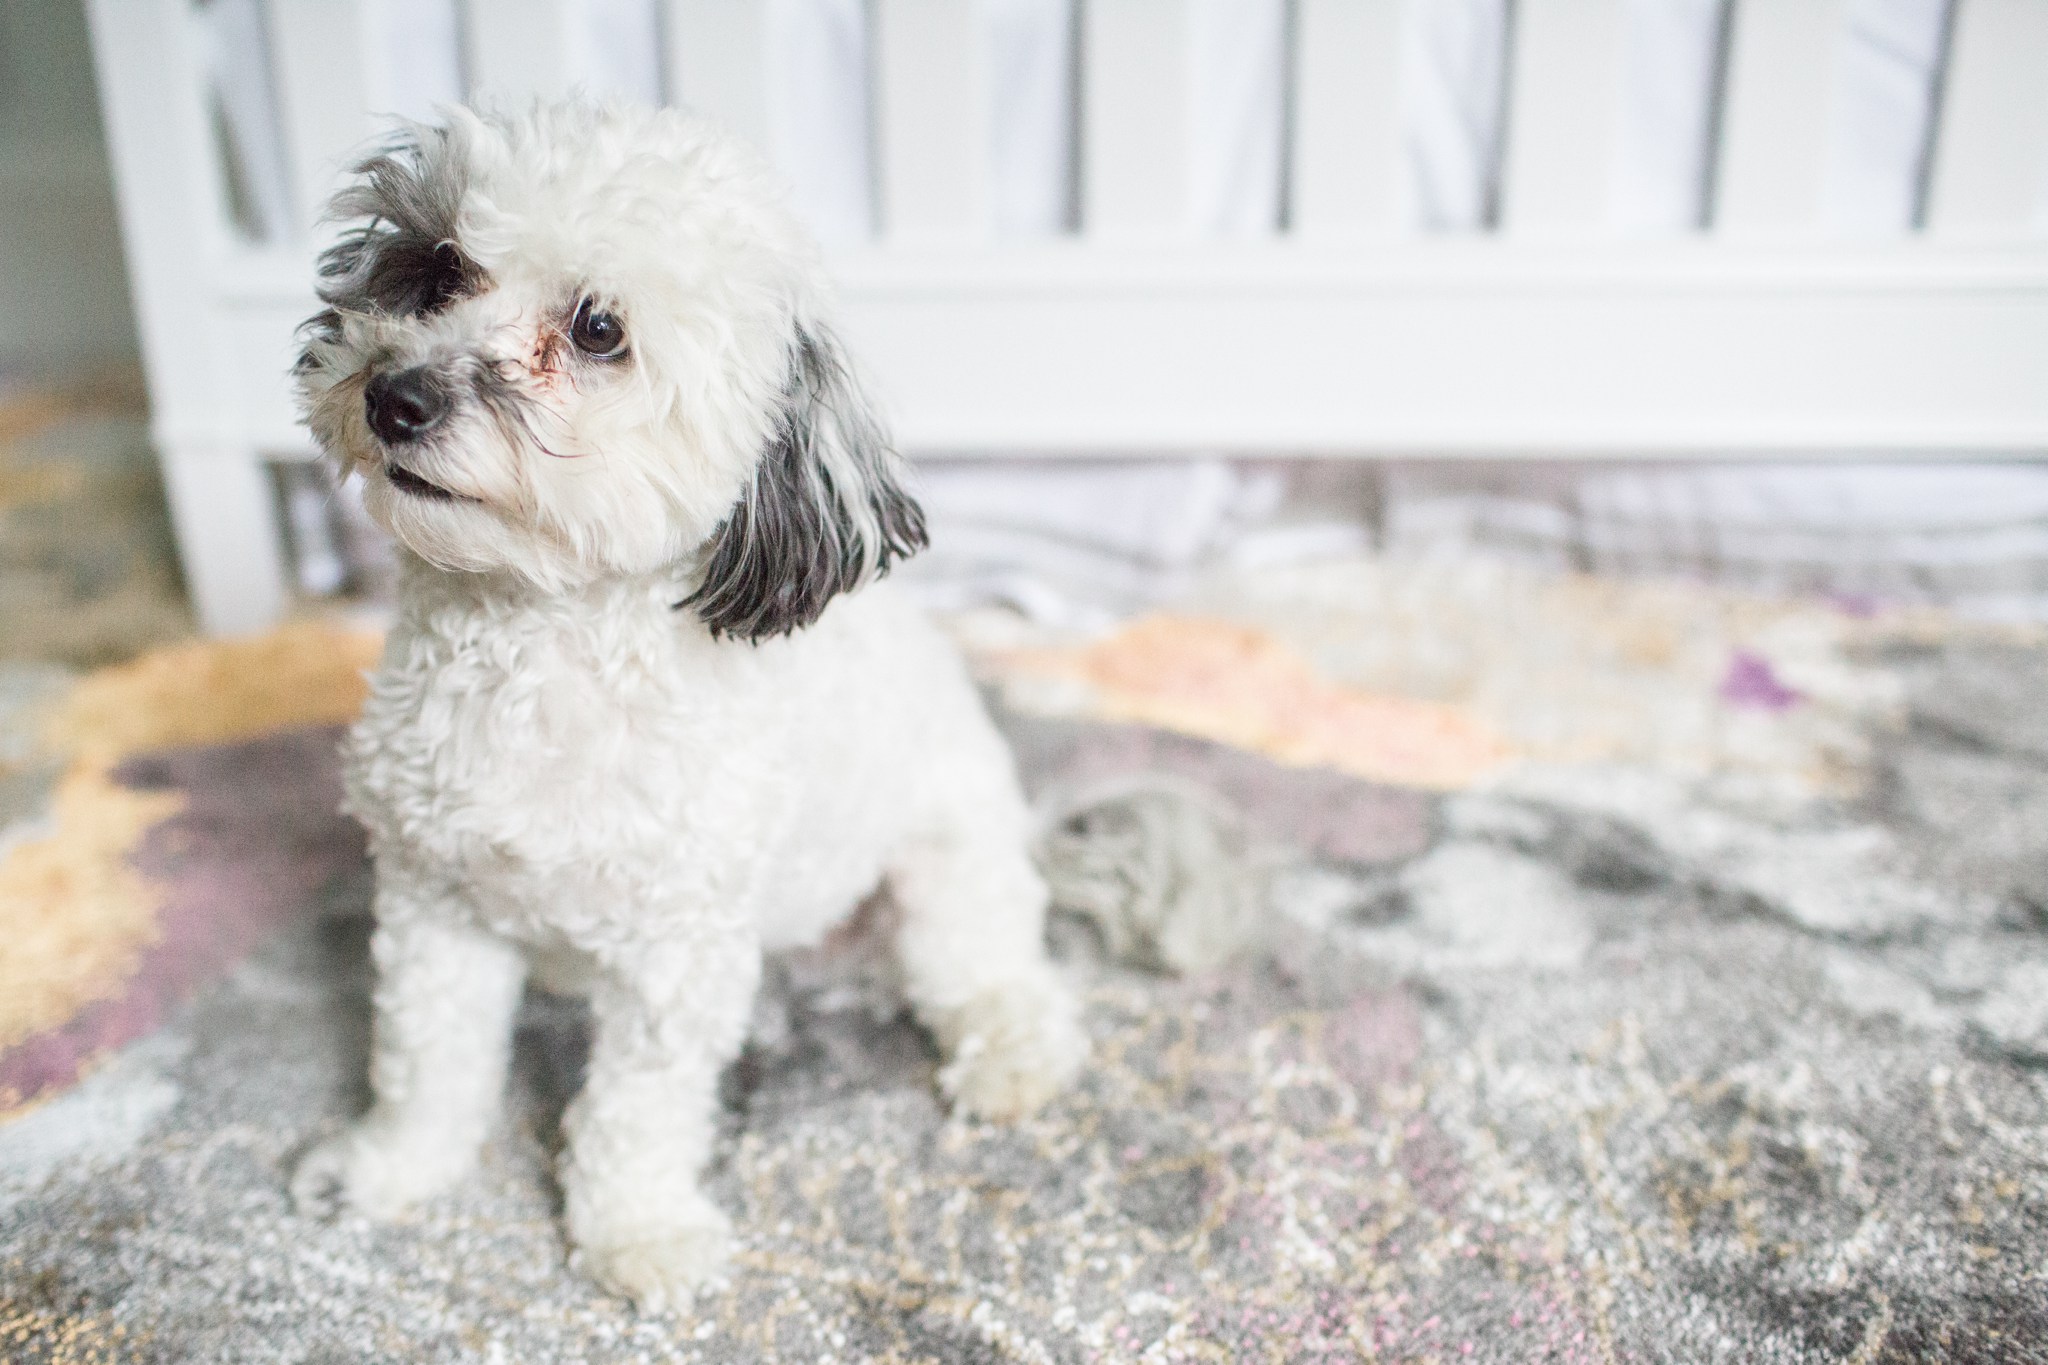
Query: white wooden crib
[[1339, 336]]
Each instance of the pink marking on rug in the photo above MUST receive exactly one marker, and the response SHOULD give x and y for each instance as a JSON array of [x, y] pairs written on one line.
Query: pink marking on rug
[[1373, 1040], [1751, 682], [259, 838]]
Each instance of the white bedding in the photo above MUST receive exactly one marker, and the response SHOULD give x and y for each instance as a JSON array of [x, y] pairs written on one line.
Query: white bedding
[[1972, 538]]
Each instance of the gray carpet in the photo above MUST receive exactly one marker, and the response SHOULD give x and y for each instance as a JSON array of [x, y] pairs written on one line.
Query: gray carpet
[[1593, 1067]]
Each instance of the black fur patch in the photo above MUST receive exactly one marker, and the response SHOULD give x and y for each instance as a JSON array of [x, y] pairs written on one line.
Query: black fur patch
[[403, 258], [796, 539], [323, 326]]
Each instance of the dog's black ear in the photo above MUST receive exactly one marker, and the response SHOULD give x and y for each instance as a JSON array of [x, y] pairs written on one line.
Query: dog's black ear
[[825, 512]]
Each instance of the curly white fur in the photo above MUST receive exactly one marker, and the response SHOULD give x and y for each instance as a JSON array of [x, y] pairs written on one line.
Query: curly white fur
[[566, 776]]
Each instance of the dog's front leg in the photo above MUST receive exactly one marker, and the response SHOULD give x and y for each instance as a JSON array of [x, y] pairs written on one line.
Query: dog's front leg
[[667, 1020], [446, 993]]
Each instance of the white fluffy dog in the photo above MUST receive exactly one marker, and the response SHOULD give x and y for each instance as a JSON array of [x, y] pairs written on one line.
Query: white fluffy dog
[[639, 719]]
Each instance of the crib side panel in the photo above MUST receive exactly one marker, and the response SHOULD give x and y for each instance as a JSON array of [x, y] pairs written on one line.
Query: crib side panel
[[1690, 350]]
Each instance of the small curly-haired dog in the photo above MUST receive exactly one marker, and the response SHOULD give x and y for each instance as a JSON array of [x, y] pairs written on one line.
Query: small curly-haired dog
[[642, 716]]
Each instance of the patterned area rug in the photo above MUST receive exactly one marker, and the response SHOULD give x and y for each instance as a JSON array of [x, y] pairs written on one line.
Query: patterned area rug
[[1629, 1057], [87, 570]]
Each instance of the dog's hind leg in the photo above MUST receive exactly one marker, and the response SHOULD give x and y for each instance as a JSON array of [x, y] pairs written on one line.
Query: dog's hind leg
[[668, 1017], [972, 942], [446, 994]]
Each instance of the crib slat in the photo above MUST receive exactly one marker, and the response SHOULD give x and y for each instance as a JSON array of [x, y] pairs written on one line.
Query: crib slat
[[931, 120], [520, 50], [1774, 122], [717, 62], [1236, 114], [1134, 172], [1990, 168], [1347, 117], [1564, 115], [319, 54], [618, 50]]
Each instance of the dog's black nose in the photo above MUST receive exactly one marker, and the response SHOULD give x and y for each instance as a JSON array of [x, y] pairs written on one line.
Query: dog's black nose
[[404, 407]]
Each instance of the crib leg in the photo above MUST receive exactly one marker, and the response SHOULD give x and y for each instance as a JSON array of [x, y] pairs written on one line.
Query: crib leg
[[225, 515]]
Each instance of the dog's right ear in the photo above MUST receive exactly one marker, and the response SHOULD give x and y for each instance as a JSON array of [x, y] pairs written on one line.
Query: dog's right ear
[[826, 509]]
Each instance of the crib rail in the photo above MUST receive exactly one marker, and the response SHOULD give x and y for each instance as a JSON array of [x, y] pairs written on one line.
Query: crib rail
[[1153, 325]]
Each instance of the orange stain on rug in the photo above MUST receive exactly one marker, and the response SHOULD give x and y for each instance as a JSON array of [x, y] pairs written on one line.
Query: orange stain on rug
[[1240, 686], [215, 691], [75, 916]]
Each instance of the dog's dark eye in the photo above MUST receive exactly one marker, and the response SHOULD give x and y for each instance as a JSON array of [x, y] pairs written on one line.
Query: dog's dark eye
[[597, 332]]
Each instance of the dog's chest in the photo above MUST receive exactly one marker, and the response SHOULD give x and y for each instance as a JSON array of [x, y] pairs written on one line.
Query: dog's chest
[[522, 755]]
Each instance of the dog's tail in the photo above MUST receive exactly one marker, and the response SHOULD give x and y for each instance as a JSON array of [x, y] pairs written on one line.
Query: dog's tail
[[1165, 870]]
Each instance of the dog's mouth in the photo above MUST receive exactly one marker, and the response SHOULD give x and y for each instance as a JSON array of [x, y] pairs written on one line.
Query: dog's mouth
[[405, 481]]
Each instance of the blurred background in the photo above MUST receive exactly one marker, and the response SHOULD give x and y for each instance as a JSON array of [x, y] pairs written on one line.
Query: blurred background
[[1472, 145]]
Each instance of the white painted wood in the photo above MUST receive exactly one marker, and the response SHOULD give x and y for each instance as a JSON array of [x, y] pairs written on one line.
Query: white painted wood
[[1990, 172], [1564, 116], [168, 178], [717, 62], [1134, 164], [521, 50], [932, 120], [1460, 349], [1347, 118], [150, 81], [225, 512], [321, 55], [1774, 124]]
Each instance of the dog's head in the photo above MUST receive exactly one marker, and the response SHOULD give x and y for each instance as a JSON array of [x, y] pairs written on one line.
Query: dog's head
[[586, 343]]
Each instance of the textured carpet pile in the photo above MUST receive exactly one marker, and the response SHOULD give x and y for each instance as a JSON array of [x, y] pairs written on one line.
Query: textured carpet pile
[[1623, 1058]]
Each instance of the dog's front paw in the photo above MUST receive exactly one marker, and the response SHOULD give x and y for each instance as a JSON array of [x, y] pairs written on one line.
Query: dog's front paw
[[1013, 1049], [374, 1171], [658, 1267]]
